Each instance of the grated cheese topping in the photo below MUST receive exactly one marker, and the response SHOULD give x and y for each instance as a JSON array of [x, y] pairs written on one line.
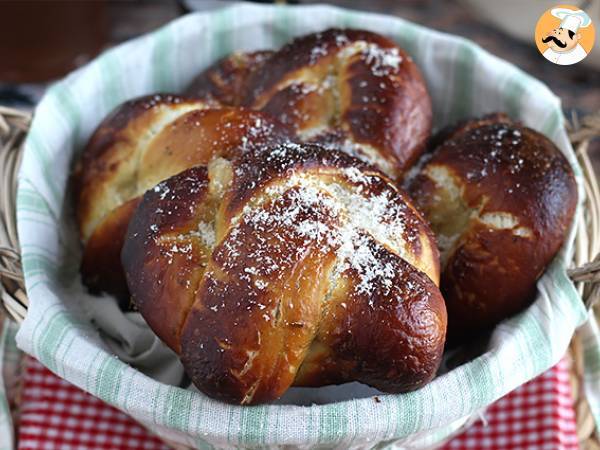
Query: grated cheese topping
[[333, 214]]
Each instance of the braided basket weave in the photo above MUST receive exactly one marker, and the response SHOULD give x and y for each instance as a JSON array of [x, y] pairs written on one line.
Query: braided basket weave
[[586, 260]]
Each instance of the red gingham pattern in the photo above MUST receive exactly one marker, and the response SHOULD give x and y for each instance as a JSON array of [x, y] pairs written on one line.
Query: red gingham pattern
[[56, 415], [536, 416]]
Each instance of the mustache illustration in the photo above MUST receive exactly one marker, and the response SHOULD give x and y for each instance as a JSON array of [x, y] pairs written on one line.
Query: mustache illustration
[[556, 41]]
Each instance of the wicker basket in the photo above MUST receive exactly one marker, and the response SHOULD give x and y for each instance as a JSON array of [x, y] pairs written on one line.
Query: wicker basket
[[586, 260]]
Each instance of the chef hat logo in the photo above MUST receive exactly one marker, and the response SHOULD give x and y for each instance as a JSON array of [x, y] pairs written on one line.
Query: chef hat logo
[[570, 19], [564, 35]]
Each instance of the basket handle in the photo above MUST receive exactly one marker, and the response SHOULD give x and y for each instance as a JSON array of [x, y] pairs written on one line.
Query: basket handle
[[15, 123]]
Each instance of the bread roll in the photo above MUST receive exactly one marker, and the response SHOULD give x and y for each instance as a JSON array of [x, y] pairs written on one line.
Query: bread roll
[[499, 197], [292, 265], [352, 90], [143, 142]]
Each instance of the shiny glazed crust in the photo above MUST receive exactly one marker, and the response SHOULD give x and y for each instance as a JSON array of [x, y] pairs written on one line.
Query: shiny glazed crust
[[500, 197], [288, 265], [106, 174], [143, 142], [226, 80], [346, 89]]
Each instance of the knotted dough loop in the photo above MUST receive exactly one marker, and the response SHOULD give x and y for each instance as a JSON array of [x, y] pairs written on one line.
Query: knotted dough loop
[[288, 265], [352, 90]]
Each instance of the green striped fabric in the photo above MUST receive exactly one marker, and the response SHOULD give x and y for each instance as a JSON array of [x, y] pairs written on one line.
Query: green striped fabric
[[590, 337], [463, 80]]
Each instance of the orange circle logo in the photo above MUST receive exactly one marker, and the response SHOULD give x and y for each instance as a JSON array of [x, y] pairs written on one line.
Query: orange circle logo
[[564, 35]]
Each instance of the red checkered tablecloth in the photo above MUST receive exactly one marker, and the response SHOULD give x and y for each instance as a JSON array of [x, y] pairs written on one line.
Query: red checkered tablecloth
[[537, 416], [56, 415]]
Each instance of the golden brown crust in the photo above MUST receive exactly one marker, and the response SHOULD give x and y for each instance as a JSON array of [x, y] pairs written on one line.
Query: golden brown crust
[[252, 323], [142, 143], [200, 136], [298, 231], [111, 128], [168, 272], [255, 170], [225, 81], [347, 89], [500, 197], [371, 89], [463, 126], [413, 312], [101, 269], [105, 175]]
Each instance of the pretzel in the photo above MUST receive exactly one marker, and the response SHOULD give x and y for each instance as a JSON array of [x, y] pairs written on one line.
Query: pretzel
[[352, 90], [143, 142], [500, 197], [289, 265]]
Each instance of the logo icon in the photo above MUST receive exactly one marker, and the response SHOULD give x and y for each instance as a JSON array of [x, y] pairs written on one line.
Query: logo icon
[[564, 35]]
